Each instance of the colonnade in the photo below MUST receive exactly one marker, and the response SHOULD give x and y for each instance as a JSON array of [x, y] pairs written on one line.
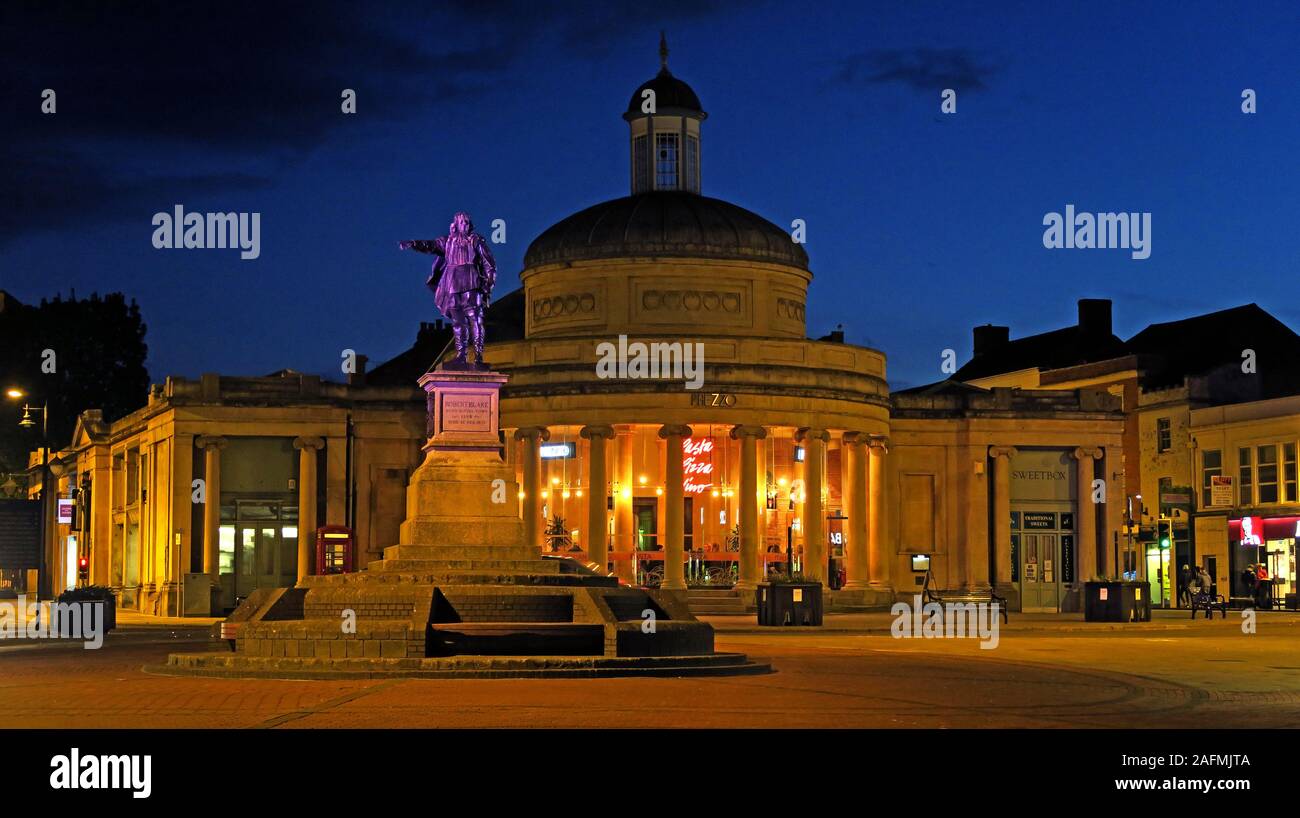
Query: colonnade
[[866, 558]]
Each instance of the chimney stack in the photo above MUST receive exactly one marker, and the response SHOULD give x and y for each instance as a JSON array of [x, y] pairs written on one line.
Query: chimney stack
[[358, 378], [989, 338], [1094, 317]]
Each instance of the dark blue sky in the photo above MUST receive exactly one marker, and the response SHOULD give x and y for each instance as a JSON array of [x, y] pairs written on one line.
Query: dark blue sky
[[919, 225]]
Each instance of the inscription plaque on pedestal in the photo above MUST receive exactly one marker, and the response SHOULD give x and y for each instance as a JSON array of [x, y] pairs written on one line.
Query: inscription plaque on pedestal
[[466, 413], [463, 409]]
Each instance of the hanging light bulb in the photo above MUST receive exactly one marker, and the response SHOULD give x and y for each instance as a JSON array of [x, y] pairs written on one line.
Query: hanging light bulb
[[627, 493], [642, 480], [716, 493], [521, 495], [579, 492], [555, 481], [659, 490], [545, 494]]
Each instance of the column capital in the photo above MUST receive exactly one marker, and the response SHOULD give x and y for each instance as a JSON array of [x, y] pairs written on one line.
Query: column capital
[[308, 443], [1087, 451], [211, 442], [880, 442], [533, 433], [811, 433], [855, 438], [675, 429], [1002, 451], [598, 431], [756, 432]]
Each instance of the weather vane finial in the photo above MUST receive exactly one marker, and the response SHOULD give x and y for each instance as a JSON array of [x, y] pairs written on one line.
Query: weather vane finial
[[663, 51]]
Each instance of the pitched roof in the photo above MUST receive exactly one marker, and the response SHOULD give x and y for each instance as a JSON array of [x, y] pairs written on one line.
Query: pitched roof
[[1057, 349], [1204, 343]]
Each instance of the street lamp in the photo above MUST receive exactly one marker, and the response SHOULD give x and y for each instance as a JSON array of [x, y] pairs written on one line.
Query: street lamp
[[27, 422]]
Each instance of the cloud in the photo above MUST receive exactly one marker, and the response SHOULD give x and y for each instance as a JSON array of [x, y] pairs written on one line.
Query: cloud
[[924, 69], [174, 97]]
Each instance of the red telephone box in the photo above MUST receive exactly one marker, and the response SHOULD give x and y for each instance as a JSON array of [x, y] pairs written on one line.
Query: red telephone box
[[334, 547]]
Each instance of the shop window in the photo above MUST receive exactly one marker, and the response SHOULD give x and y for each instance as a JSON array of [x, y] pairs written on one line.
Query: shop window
[[1266, 474], [1164, 438], [1288, 472], [226, 549], [1244, 494], [1211, 467]]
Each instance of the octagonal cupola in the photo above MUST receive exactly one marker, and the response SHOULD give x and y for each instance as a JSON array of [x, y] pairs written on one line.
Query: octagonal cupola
[[663, 118]]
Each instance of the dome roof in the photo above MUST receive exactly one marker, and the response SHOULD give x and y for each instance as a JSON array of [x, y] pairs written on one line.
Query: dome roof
[[670, 92], [665, 223]]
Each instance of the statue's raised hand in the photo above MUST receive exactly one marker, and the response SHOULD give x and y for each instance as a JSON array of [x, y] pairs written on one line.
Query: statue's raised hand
[[404, 245]]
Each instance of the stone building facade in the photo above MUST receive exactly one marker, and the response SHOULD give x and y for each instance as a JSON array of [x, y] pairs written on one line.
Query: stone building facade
[[790, 447]]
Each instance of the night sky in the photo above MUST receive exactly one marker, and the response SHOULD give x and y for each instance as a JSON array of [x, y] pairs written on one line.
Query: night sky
[[920, 225]]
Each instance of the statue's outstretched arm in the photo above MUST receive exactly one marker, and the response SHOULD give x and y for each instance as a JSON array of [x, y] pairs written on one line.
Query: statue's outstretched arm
[[433, 246]]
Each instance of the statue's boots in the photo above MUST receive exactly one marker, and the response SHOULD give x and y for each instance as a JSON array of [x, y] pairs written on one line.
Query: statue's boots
[[474, 318], [458, 333]]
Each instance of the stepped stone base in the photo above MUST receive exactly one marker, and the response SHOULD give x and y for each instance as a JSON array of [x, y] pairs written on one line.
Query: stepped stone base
[[460, 667], [461, 594]]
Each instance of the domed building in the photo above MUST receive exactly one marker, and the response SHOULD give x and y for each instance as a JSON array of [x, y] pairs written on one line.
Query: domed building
[[772, 442], [667, 416]]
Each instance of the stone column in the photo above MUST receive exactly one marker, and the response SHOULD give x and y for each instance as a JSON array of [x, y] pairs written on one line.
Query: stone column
[[532, 437], [674, 508], [748, 505], [878, 553], [1002, 513], [211, 447], [307, 448], [814, 508], [1113, 513], [854, 465], [1086, 560], [624, 521], [597, 521]]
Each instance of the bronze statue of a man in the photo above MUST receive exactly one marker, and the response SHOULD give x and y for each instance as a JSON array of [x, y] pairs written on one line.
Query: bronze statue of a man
[[462, 280]]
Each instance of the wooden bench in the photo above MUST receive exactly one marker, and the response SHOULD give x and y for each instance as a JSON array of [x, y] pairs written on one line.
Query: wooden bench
[[966, 597], [1209, 603], [230, 632]]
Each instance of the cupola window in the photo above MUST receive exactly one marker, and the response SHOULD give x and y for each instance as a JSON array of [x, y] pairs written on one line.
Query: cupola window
[[666, 156], [640, 165], [692, 164]]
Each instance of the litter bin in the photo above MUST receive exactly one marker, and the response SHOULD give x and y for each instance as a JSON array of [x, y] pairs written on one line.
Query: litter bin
[[789, 603]]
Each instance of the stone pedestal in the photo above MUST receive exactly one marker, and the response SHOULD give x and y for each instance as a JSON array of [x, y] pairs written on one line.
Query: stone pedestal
[[463, 494]]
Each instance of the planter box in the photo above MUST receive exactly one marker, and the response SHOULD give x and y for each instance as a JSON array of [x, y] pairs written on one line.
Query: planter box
[[797, 604], [1116, 602], [109, 601]]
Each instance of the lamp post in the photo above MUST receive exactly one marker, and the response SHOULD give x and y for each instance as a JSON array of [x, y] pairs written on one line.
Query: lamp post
[[42, 576]]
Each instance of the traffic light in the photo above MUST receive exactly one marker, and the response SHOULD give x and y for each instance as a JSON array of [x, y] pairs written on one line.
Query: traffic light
[[83, 568]]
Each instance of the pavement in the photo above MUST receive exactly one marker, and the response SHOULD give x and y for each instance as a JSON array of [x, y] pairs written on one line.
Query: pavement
[[1046, 671], [881, 622]]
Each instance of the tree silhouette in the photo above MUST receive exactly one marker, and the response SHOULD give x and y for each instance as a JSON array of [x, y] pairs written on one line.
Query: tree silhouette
[[98, 360]]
